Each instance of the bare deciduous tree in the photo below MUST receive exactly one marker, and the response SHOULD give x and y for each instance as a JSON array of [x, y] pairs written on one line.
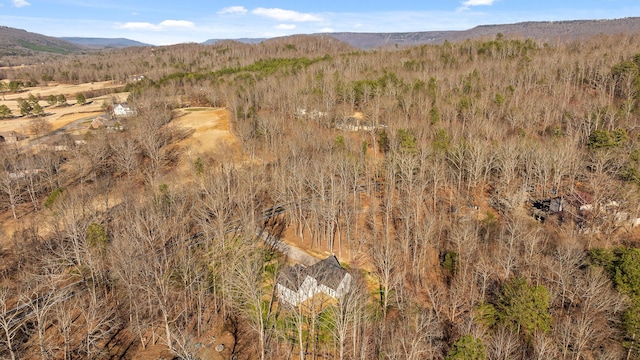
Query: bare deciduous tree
[[9, 323], [251, 296]]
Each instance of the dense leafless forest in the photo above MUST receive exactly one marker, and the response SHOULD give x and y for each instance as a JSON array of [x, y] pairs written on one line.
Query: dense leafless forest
[[484, 203]]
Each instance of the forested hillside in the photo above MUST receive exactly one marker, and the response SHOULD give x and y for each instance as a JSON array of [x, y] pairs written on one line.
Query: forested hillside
[[485, 204], [550, 31], [17, 42]]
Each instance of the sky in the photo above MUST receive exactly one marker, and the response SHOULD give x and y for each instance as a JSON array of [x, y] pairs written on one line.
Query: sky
[[161, 22]]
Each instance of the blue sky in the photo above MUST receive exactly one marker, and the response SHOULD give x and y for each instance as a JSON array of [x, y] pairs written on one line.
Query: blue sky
[[162, 22]]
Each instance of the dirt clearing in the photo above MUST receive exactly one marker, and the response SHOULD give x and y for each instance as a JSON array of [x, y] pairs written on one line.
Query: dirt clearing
[[211, 136]]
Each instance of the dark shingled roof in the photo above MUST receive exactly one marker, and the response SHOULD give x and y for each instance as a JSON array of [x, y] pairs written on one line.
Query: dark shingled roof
[[293, 276], [327, 272]]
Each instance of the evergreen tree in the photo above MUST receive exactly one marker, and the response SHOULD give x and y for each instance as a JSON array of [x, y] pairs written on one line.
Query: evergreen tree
[[467, 348], [25, 107], [623, 264], [5, 112], [37, 110], [80, 99], [525, 306], [52, 100]]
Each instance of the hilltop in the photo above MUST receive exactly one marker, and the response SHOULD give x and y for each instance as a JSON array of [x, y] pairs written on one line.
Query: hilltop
[[240, 40], [17, 42], [103, 43], [537, 30]]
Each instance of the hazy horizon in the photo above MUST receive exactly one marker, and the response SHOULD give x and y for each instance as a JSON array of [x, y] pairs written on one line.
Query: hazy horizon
[[165, 22]]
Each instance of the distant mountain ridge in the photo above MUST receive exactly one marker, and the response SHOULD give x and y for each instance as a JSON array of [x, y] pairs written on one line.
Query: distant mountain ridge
[[241, 40], [18, 42], [540, 30], [103, 43]]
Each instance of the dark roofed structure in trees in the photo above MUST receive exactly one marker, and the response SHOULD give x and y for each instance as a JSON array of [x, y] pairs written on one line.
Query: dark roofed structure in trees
[[297, 284], [10, 137], [107, 122]]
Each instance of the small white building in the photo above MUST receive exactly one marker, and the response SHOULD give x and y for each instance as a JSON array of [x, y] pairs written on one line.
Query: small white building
[[123, 110], [297, 284], [358, 122], [303, 113], [21, 174]]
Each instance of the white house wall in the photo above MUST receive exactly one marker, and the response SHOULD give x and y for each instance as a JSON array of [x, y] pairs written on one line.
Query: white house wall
[[327, 290], [309, 288], [344, 285], [288, 295]]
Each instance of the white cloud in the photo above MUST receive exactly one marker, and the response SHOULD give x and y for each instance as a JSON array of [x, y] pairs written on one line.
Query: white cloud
[[467, 4], [478, 2], [177, 23], [20, 3], [285, 15], [147, 26], [239, 10], [138, 26], [285, 27], [327, 30]]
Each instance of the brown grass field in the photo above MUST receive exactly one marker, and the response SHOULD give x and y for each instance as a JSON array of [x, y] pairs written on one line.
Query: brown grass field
[[210, 138], [57, 116]]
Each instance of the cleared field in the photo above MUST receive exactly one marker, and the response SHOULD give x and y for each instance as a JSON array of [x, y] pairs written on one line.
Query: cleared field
[[211, 133], [55, 115], [66, 89]]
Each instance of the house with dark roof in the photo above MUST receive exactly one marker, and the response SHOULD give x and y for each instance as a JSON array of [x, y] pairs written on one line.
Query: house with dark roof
[[10, 137], [297, 284], [105, 121]]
